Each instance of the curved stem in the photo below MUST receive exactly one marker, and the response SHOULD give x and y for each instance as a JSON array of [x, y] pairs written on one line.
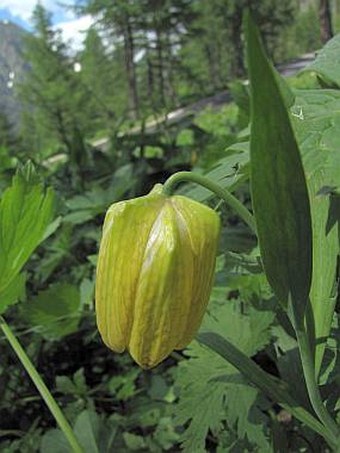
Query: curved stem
[[271, 386], [40, 385], [232, 201], [312, 387]]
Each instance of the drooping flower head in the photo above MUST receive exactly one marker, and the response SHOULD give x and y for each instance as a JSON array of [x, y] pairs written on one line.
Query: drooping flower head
[[155, 273]]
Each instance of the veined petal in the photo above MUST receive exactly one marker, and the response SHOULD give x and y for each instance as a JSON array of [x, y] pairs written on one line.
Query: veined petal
[[164, 290], [203, 225], [126, 230], [154, 276]]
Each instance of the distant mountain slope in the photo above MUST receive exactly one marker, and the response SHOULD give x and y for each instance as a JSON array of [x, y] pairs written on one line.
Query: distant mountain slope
[[12, 67]]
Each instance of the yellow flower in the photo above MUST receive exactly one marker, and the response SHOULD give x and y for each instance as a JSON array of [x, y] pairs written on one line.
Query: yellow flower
[[154, 275]]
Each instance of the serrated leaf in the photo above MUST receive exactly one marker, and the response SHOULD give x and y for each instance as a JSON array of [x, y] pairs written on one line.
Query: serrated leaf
[[278, 185], [55, 311], [210, 387], [26, 210]]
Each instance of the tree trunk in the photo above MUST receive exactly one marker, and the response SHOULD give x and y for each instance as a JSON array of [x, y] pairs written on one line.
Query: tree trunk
[[213, 67], [131, 71], [150, 89], [170, 84], [325, 18], [237, 67], [160, 66]]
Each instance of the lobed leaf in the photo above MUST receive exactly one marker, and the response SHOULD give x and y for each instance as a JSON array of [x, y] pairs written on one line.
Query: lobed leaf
[[26, 210]]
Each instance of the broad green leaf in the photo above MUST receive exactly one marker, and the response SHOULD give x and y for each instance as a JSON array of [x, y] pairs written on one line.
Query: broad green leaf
[[26, 210], [316, 121], [87, 429], [54, 441], [327, 62], [278, 185], [316, 117], [95, 435], [55, 311]]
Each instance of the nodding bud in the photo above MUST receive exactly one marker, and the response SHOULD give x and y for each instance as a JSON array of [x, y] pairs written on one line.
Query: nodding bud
[[155, 272]]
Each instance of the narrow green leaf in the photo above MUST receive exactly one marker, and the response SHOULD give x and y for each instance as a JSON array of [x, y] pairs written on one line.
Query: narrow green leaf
[[325, 252], [279, 191]]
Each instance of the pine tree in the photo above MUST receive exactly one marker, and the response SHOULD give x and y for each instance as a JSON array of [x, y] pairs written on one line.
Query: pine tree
[[55, 101], [96, 73], [118, 19], [325, 17]]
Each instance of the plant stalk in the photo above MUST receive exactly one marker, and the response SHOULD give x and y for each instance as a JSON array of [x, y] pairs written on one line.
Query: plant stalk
[[312, 387], [40, 385], [231, 201]]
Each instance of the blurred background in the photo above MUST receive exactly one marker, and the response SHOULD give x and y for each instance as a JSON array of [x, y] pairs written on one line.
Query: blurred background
[[90, 81]]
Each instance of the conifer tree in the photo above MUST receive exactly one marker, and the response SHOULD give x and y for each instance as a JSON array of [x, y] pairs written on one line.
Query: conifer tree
[[52, 93]]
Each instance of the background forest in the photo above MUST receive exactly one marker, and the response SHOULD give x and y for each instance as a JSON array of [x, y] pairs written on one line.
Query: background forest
[[157, 87]]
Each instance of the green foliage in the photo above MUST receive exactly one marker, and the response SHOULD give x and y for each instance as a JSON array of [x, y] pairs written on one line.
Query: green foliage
[[214, 395], [26, 210], [56, 310], [55, 103], [301, 36]]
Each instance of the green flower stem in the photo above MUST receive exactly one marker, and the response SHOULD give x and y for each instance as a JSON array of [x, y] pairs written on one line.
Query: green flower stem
[[312, 387], [271, 386], [39, 383], [232, 201]]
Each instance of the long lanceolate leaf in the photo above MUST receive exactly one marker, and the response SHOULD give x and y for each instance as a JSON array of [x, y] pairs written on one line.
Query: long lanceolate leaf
[[282, 211], [279, 191]]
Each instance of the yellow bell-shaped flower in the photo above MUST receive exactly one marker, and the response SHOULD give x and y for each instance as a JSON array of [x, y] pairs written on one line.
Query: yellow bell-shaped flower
[[154, 275]]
